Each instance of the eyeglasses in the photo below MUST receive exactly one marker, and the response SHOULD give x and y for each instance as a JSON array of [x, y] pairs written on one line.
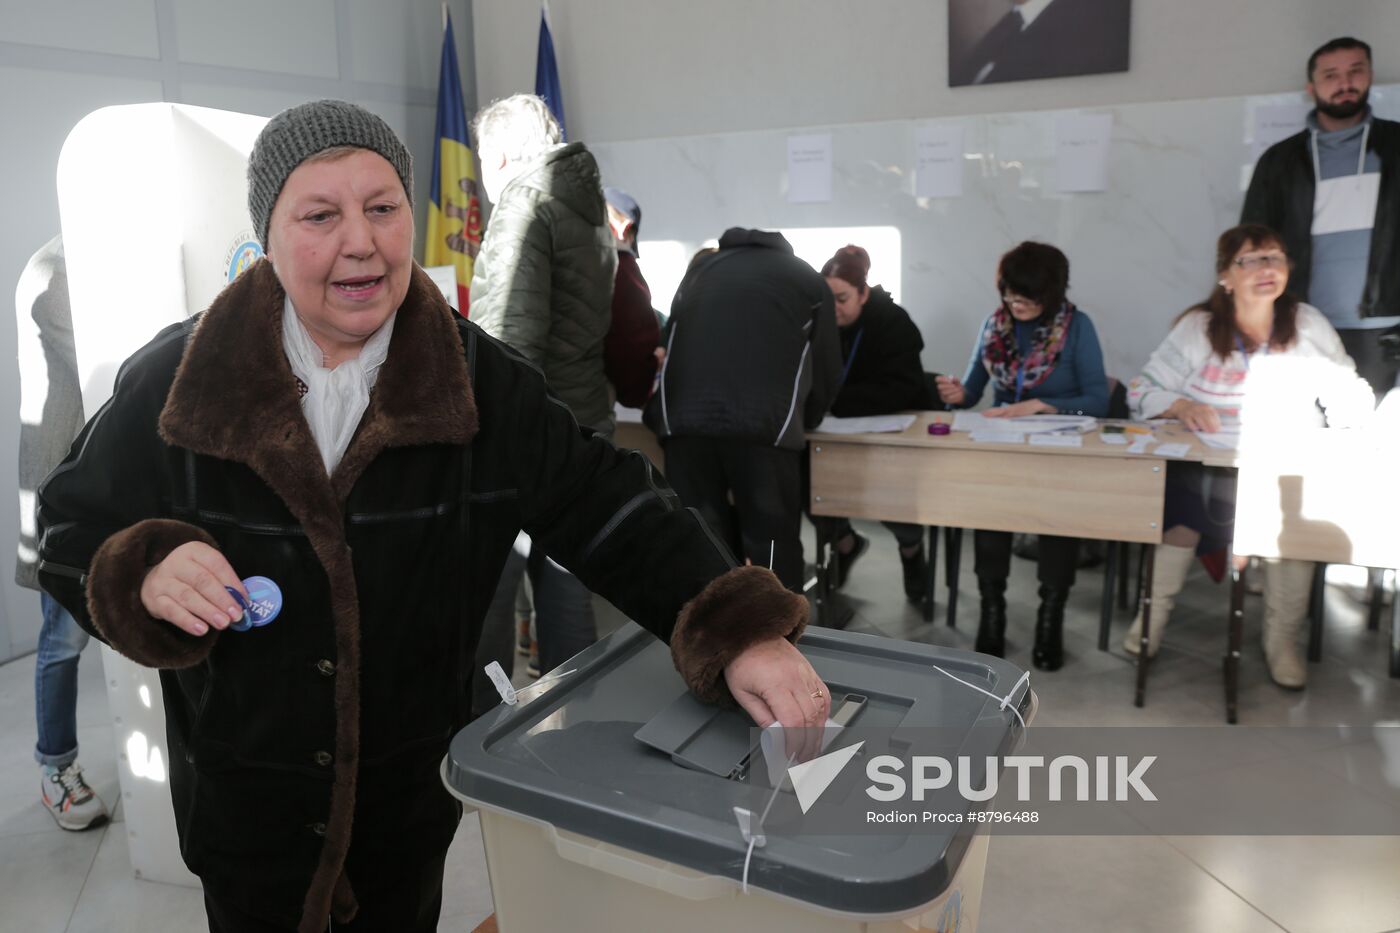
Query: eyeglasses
[[1016, 301], [1253, 263]]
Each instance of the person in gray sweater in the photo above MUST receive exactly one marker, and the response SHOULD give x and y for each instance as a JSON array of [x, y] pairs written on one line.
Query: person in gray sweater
[[51, 415]]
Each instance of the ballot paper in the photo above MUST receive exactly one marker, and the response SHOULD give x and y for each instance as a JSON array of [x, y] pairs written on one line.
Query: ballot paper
[[1056, 440], [1117, 440], [998, 437], [1140, 444], [873, 424], [1220, 440], [1172, 450], [775, 756], [1030, 424]]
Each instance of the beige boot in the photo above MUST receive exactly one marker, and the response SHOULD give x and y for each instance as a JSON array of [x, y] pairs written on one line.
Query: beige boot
[[1169, 568], [1287, 585]]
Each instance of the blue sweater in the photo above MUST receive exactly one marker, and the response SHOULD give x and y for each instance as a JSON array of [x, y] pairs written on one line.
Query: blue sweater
[[1076, 386]]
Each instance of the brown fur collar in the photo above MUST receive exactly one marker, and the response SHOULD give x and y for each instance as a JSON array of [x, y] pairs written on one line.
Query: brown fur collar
[[235, 398]]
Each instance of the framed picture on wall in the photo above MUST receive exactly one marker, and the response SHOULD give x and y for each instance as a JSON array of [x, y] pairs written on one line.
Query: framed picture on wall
[[991, 41]]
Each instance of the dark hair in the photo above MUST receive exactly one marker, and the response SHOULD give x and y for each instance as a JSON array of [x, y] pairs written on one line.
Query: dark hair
[[1221, 328], [851, 264], [1036, 271], [1336, 45]]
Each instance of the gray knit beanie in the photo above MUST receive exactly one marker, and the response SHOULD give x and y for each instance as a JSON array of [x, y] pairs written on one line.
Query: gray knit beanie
[[298, 133]]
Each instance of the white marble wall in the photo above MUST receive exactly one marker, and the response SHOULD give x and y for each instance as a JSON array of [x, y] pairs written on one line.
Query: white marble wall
[[1140, 252]]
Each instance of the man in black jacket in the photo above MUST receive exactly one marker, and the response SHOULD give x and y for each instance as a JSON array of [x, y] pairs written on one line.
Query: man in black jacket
[[753, 360], [1333, 194]]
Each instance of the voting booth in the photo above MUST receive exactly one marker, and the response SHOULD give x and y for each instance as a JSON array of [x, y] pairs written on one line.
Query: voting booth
[[153, 202], [608, 795]]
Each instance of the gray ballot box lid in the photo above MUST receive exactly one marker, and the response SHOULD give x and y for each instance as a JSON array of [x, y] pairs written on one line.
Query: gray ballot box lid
[[619, 751]]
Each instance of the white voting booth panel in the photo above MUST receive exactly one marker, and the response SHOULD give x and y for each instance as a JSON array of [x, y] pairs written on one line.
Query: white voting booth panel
[[153, 201]]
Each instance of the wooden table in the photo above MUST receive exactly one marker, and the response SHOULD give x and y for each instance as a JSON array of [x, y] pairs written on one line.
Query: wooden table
[[1097, 491]]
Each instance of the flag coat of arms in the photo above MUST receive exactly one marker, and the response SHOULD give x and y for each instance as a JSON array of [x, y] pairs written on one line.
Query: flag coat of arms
[[454, 211]]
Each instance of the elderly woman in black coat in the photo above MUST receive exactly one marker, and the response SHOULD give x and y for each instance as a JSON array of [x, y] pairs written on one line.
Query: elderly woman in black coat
[[330, 425]]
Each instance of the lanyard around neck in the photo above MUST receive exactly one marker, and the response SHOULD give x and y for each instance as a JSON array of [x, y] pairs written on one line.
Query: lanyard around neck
[[1239, 344], [855, 345]]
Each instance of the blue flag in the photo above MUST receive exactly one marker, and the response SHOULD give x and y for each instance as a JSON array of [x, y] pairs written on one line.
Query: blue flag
[[547, 73]]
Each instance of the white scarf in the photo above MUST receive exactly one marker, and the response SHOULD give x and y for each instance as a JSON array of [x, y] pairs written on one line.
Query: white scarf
[[336, 399]]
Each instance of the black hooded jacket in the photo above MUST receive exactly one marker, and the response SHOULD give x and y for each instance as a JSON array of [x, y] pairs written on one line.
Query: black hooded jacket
[[752, 350]]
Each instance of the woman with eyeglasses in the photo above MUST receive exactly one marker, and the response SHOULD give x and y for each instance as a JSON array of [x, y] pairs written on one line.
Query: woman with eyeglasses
[[1040, 354], [1250, 354]]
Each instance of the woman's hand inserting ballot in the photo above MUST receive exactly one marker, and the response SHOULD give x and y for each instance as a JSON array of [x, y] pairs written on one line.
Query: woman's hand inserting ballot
[[773, 682], [187, 589]]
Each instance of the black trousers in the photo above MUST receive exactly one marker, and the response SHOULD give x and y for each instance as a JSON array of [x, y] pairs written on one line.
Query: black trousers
[[1372, 363], [402, 899], [1058, 558], [765, 486]]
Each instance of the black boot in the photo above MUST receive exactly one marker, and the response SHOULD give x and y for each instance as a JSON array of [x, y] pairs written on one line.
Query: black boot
[[991, 624], [1049, 651], [915, 573]]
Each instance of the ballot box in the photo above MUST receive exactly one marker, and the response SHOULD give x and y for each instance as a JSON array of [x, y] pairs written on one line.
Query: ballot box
[[610, 799]]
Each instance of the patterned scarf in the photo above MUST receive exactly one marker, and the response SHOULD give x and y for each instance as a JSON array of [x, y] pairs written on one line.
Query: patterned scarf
[[1002, 356]]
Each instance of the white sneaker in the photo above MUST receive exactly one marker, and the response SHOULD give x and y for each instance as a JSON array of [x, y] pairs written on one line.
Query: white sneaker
[[68, 798]]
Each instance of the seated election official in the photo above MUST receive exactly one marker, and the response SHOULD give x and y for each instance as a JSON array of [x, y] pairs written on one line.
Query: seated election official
[[330, 425], [1040, 354], [881, 374], [1250, 356]]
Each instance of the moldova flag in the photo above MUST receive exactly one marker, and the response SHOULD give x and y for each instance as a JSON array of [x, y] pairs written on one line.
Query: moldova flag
[[454, 214], [547, 72]]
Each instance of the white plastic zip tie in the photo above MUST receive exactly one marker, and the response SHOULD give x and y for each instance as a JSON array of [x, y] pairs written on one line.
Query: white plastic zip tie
[[751, 832], [555, 676], [503, 686], [1005, 702], [501, 682]]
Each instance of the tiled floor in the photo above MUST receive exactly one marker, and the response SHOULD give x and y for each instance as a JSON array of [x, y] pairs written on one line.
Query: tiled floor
[[52, 881]]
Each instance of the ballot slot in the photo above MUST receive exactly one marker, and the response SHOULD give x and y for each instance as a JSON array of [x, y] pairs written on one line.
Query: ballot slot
[[723, 742], [843, 714]]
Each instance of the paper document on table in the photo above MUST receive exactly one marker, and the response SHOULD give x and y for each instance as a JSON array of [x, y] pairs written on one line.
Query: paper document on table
[[1140, 444], [1056, 440], [872, 424], [1172, 450], [1220, 440], [1030, 424], [998, 437], [1117, 440]]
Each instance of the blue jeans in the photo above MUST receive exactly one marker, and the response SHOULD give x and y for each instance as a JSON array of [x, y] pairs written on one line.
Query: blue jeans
[[61, 643]]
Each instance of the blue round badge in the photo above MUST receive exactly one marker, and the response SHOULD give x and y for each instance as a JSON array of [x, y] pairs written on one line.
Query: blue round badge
[[263, 604], [244, 624], [264, 600]]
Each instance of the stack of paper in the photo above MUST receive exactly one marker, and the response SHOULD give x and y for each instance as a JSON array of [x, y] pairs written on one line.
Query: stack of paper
[[1220, 440], [875, 424], [1030, 424], [998, 437], [1056, 440]]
